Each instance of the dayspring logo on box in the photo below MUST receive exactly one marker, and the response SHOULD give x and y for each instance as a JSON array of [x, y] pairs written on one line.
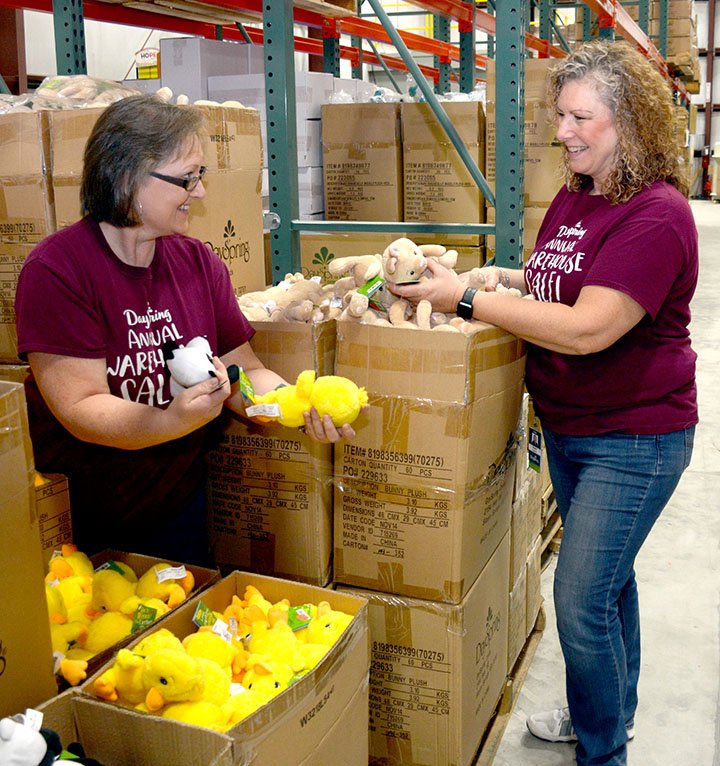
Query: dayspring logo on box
[[232, 248]]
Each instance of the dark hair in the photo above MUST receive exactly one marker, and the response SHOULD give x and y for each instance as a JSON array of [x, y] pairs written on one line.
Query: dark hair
[[132, 137], [641, 102]]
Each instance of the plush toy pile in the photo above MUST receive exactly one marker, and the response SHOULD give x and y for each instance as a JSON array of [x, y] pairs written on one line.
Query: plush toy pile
[[360, 292], [91, 610], [232, 665]]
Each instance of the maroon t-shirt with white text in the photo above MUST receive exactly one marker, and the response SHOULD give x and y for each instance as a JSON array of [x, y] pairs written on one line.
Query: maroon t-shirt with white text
[[76, 298], [646, 248]]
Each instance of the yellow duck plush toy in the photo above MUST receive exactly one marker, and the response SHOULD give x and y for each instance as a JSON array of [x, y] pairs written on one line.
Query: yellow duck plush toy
[[331, 395], [166, 583]]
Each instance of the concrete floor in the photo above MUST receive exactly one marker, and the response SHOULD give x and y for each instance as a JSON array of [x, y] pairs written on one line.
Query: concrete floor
[[678, 570]]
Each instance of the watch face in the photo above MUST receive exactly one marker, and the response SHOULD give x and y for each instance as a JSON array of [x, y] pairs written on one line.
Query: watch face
[[465, 308]]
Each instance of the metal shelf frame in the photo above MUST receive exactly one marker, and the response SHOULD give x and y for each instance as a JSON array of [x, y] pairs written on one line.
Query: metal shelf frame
[[508, 38]]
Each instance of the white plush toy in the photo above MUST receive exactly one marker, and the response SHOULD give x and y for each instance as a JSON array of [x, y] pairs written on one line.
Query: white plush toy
[[20, 744], [188, 365]]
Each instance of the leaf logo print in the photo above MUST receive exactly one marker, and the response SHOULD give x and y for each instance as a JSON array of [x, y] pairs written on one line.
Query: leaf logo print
[[229, 231]]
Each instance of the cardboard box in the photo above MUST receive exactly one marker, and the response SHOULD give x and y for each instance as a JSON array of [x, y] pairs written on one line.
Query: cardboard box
[[228, 219], [438, 188], [140, 563], [188, 62], [270, 501], [517, 618], [52, 498], [437, 670], [27, 212], [362, 162], [26, 661], [323, 713], [426, 479], [26, 202]]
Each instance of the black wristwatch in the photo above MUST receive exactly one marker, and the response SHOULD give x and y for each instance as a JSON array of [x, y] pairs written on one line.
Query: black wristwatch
[[465, 306]]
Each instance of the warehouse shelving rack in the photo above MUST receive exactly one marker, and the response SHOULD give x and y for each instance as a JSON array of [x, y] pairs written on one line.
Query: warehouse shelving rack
[[507, 30]]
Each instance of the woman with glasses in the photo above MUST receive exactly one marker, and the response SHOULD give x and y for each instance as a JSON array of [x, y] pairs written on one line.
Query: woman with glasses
[[97, 301]]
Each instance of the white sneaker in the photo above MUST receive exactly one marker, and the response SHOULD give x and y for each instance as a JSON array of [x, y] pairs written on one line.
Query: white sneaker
[[556, 726]]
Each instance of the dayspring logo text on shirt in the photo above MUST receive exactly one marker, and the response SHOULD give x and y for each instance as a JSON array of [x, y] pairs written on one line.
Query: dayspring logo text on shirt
[[140, 373], [559, 255]]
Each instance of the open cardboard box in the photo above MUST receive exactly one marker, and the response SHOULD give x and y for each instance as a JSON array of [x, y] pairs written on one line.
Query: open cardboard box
[[140, 564], [319, 716], [430, 473]]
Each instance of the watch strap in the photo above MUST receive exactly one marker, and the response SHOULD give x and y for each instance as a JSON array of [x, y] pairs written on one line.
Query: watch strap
[[464, 308]]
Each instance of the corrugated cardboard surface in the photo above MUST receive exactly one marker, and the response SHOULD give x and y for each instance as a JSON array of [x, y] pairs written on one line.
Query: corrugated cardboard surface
[[26, 662], [270, 502], [362, 162], [52, 497], [296, 727], [437, 670], [288, 348], [448, 367], [270, 487], [438, 188], [430, 474]]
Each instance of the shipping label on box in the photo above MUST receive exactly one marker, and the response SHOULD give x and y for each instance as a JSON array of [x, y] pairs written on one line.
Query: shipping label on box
[[52, 498], [362, 162], [26, 201], [418, 484], [438, 188], [270, 502], [437, 670]]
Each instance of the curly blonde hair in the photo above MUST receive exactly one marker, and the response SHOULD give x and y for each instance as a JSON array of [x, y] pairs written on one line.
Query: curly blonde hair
[[641, 102]]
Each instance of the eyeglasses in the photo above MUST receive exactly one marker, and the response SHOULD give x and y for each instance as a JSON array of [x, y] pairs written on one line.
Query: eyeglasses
[[188, 183]]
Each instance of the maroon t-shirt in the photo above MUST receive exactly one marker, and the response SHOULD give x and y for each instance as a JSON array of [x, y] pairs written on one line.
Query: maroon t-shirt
[[646, 248], [76, 298]]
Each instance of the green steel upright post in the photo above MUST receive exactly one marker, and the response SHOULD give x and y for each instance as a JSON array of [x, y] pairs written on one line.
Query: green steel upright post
[[644, 16], [69, 27], [587, 23], [357, 69], [663, 31], [510, 131], [491, 38], [441, 31], [281, 134], [544, 28], [331, 47], [467, 51]]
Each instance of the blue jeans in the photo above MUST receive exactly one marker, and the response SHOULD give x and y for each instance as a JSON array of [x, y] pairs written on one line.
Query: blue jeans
[[610, 490]]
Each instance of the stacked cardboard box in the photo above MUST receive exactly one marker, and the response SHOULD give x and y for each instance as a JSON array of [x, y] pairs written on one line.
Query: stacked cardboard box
[[423, 499], [320, 715], [362, 162], [26, 661], [438, 188], [40, 173], [27, 212], [437, 670], [312, 90], [270, 499], [543, 153]]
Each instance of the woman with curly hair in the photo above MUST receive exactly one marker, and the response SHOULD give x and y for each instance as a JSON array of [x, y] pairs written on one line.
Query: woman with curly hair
[[610, 367]]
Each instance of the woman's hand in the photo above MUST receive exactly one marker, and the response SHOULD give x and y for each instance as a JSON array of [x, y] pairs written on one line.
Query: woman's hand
[[322, 429], [203, 402], [444, 289]]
